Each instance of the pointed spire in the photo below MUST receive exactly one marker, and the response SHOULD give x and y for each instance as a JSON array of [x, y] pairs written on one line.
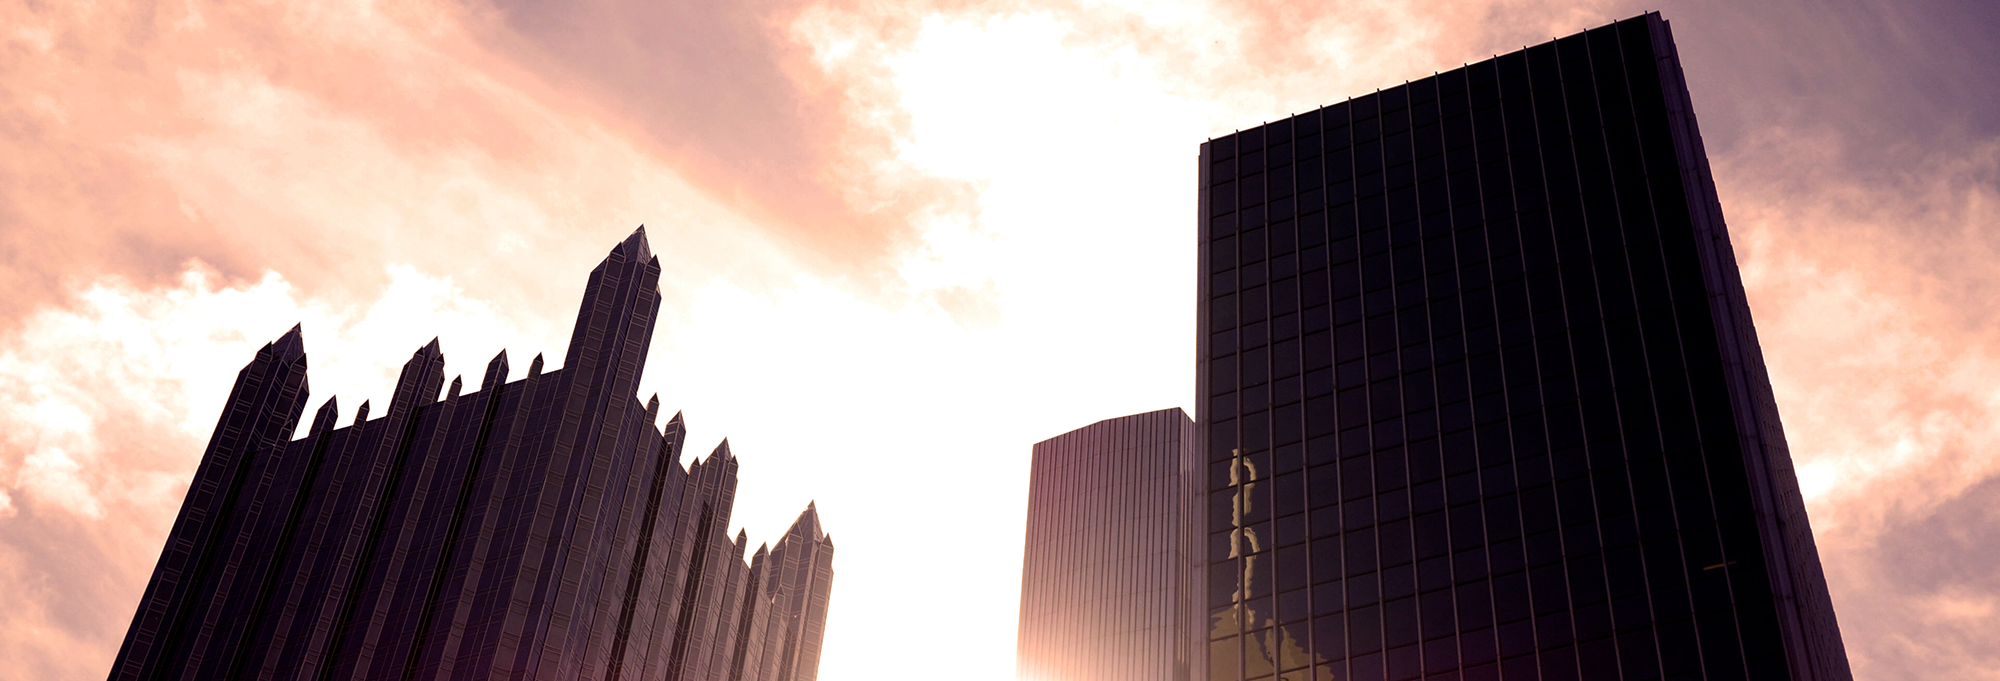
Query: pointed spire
[[496, 372], [652, 411], [676, 429], [616, 318], [722, 450], [535, 367], [457, 384], [808, 522], [673, 437], [361, 414], [422, 378], [290, 347], [635, 247], [328, 413]]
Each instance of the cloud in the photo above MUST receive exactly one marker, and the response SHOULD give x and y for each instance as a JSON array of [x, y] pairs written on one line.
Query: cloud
[[1922, 601], [98, 449], [745, 112], [1873, 293], [323, 140], [108, 407], [181, 181], [1893, 78]]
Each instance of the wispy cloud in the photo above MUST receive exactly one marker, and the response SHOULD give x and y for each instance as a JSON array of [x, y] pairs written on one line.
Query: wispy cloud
[[1874, 297]]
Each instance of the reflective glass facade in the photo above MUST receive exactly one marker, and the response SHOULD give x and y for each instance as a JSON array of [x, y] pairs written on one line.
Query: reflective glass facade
[[538, 529], [1479, 393], [1107, 579]]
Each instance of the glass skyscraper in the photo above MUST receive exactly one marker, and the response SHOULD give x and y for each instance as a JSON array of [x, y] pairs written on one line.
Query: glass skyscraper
[[1479, 394], [537, 529], [1108, 573]]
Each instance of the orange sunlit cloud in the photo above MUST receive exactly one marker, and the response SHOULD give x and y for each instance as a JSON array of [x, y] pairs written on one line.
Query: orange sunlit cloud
[[900, 244]]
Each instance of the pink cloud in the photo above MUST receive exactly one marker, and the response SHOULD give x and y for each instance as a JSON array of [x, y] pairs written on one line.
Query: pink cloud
[[503, 146], [1873, 298]]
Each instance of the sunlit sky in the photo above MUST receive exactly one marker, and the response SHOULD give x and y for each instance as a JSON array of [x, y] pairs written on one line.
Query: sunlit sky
[[901, 242]]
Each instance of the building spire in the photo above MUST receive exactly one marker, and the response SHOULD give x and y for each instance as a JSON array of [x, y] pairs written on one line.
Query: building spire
[[327, 414], [496, 372]]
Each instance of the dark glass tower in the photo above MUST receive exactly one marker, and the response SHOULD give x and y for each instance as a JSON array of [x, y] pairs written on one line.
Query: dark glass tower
[[1108, 571], [1479, 393], [539, 529]]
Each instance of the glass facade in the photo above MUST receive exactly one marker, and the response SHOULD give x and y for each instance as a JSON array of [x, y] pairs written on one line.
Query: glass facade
[[1480, 398], [1107, 576], [538, 529]]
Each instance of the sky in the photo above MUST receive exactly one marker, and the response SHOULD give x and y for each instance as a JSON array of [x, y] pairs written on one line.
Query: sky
[[901, 242]]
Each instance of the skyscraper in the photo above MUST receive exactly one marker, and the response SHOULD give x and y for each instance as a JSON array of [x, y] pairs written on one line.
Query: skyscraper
[[1479, 393], [538, 529], [1109, 565]]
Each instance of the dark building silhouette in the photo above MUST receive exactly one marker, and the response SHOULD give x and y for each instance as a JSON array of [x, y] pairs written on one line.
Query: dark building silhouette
[[1480, 397], [1107, 575], [538, 529]]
